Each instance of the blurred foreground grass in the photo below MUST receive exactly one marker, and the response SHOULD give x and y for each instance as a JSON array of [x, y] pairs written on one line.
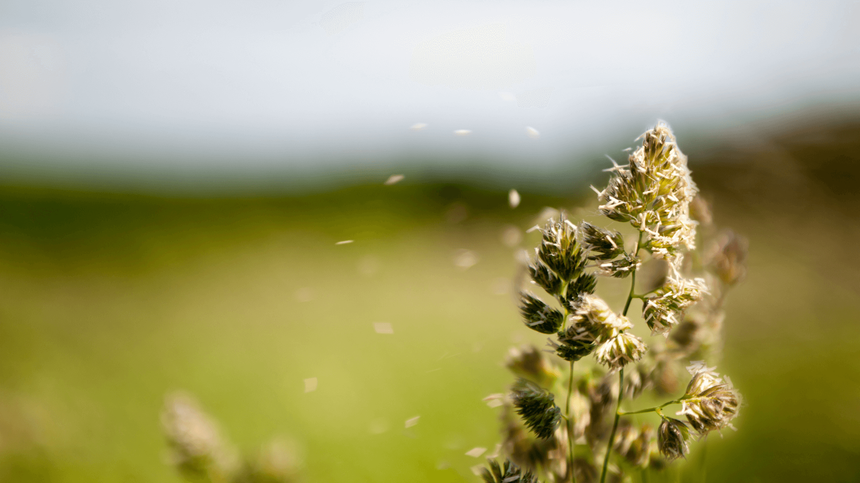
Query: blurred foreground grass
[[110, 301]]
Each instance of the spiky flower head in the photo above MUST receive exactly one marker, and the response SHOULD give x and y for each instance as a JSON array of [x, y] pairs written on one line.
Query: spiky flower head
[[582, 285], [673, 439], [196, 447], [530, 363], [539, 316], [506, 473], [590, 309], [619, 349], [653, 193], [591, 323], [600, 243], [710, 402], [559, 249], [664, 307], [537, 408], [544, 277], [578, 341], [621, 267], [525, 450]]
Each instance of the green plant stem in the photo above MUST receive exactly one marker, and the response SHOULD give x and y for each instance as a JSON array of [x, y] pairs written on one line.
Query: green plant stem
[[570, 436], [648, 410], [568, 417], [621, 372], [633, 276]]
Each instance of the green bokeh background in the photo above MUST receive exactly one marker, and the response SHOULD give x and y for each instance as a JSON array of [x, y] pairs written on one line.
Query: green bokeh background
[[108, 301]]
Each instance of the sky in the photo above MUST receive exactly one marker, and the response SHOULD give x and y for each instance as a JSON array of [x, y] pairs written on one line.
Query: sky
[[194, 84]]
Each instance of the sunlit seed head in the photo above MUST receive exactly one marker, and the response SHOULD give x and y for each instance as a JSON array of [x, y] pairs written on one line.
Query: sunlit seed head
[[619, 350], [710, 402], [664, 308]]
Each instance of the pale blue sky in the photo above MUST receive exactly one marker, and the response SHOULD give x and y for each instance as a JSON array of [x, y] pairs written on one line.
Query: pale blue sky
[[262, 82]]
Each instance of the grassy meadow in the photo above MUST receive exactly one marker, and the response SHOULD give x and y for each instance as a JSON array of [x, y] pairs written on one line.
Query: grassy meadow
[[110, 301]]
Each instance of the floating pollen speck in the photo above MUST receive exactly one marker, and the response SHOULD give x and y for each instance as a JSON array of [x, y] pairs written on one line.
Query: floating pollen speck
[[344, 242], [411, 422], [383, 328], [394, 178], [462, 132], [476, 452], [495, 403], [478, 470], [511, 236], [304, 294], [418, 126], [465, 258], [378, 426], [311, 384], [532, 132], [513, 198]]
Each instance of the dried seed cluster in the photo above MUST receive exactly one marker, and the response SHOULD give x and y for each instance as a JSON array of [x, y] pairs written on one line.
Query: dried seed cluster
[[200, 454], [655, 194]]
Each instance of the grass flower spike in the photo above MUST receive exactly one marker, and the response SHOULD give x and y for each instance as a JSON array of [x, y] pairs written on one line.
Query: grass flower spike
[[507, 473], [200, 454], [655, 194], [673, 439], [538, 315], [665, 307], [537, 408], [601, 244], [710, 403], [619, 350]]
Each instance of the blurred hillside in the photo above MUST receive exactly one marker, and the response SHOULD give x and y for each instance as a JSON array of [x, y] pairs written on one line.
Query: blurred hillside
[[112, 300]]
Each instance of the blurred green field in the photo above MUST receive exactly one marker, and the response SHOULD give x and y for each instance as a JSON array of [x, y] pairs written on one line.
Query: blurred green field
[[109, 301]]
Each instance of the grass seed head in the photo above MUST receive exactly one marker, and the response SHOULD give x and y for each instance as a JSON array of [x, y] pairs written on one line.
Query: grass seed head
[[537, 408], [673, 439]]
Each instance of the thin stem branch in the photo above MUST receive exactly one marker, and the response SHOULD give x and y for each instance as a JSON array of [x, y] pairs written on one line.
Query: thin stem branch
[[570, 435], [621, 372], [614, 425], [633, 276], [648, 410], [568, 416]]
